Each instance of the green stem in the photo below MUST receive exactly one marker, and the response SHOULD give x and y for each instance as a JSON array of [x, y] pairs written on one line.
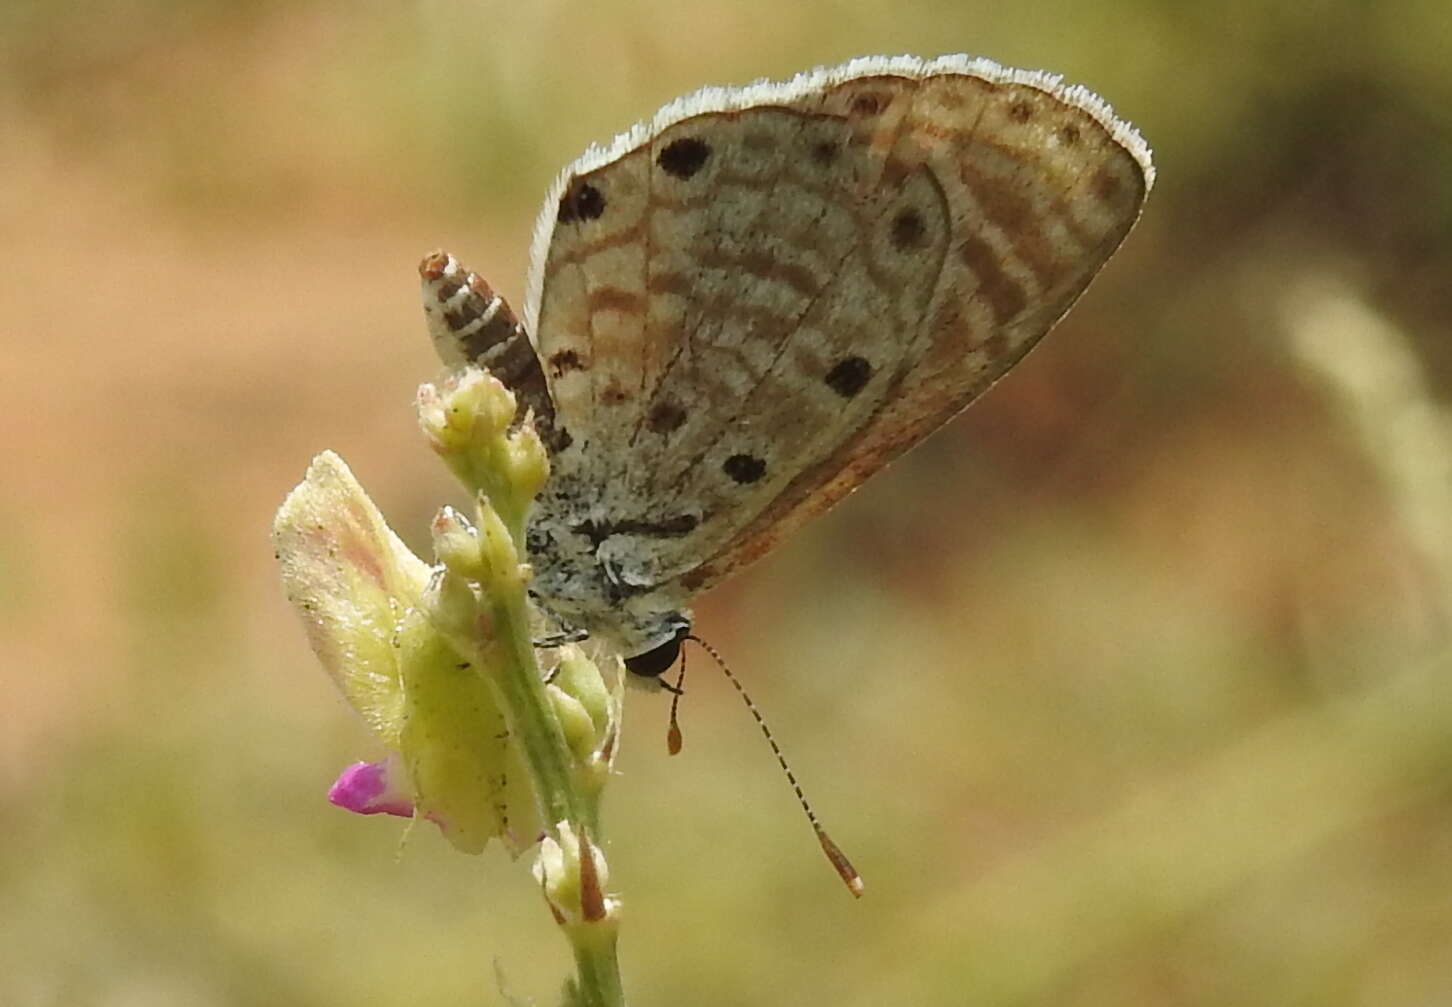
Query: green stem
[[599, 973], [532, 720], [469, 428]]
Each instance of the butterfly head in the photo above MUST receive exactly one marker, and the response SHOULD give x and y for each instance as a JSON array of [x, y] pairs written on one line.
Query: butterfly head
[[662, 656], [603, 595]]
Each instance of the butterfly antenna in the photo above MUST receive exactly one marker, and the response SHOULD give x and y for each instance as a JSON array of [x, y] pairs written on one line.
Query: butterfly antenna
[[839, 860], [673, 733]]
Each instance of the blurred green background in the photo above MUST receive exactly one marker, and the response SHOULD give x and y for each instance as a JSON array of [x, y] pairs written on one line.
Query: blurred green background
[[1129, 687]]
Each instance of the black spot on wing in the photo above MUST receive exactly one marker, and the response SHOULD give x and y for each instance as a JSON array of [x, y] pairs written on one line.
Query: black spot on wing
[[907, 230], [684, 157], [824, 152], [744, 469], [581, 201], [849, 376], [665, 418]]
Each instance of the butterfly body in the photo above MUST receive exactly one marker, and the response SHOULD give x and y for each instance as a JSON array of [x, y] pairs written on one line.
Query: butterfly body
[[745, 307]]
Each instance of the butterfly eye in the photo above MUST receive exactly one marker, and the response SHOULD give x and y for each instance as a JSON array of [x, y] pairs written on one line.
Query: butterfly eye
[[658, 660]]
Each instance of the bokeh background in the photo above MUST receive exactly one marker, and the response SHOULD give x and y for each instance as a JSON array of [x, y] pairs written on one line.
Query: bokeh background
[[1129, 687]]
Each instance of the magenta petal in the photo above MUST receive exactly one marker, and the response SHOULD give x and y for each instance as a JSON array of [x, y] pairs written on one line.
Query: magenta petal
[[371, 788]]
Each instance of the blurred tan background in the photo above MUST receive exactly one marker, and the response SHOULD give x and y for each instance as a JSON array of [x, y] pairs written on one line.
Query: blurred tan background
[[1127, 688]]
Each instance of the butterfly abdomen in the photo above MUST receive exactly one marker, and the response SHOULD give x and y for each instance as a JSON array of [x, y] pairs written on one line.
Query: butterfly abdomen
[[470, 323]]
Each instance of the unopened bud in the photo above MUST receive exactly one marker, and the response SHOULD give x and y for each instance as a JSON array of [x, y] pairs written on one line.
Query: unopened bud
[[573, 874], [456, 544]]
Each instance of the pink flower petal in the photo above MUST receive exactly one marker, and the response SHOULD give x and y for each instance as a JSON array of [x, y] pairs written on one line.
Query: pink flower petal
[[372, 788]]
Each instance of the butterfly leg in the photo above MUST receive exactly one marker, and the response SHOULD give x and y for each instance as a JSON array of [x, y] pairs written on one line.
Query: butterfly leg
[[561, 638]]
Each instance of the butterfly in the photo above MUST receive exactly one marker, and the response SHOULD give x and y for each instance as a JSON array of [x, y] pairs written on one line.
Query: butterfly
[[740, 309]]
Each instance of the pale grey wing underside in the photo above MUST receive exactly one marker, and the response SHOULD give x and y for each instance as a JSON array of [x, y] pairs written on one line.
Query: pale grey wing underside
[[772, 294]]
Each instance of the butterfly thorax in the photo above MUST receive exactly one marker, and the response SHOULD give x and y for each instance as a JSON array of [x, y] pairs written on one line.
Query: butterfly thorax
[[592, 571]]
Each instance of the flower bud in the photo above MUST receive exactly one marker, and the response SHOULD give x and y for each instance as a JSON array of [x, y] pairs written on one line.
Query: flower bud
[[456, 544], [573, 874], [574, 720], [578, 676], [502, 573], [529, 463]]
